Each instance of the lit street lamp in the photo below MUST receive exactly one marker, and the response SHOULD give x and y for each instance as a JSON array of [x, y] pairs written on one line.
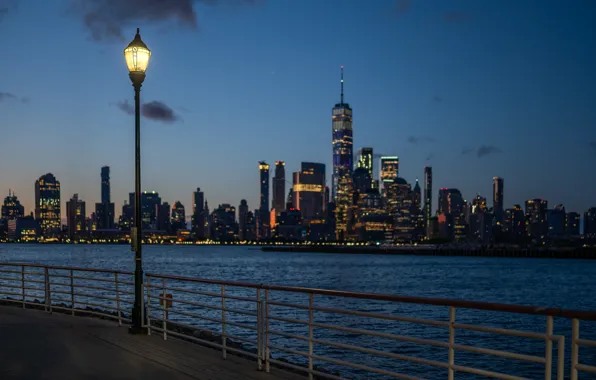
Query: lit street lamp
[[137, 56]]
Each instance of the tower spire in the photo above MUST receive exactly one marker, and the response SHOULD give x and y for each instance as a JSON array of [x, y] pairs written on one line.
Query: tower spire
[[342, 84]]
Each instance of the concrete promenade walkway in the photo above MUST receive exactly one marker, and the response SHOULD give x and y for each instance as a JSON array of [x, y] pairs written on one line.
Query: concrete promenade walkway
[[37, 345]]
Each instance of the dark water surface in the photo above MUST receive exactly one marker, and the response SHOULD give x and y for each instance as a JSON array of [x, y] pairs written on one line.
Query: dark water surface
[[568, 284]]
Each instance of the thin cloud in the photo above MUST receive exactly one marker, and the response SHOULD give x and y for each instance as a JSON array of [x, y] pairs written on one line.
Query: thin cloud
[[437, 99], [159, 111], [7, 96], [154, 110], [6, 7], [457, 17], [465, 151], [420, 139], [105, 19], [485, 150]]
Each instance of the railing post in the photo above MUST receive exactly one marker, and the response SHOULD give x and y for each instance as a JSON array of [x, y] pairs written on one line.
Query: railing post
[[72, 294], [259, 331], [48, 300], [574, 347], [224, 340], [117, 299], [266, 332], [23, 284], [165, 309], [148, 305], [310, 335], [451, 373], [548, 360], [561, 358]]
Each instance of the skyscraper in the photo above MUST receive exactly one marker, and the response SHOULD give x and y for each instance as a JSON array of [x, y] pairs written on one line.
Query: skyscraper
[[47, 204], [389, 170], [75, 216], [242, 220], [105, 210], [178, 217], [279, 187], [263, 217], [12, 208], [590, 223], [365, 160], [198, 214], [342, 160], [536, 222], [498, 198], [428, 194], [309, 191], [105, 184]]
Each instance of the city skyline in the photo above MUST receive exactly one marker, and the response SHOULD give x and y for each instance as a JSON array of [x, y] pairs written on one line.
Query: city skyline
[[441, 113]]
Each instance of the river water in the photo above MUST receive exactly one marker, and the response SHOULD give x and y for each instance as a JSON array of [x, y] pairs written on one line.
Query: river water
[[568, 284]]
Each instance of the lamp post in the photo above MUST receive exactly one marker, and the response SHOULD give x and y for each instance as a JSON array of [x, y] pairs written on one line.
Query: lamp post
[[137, 56]]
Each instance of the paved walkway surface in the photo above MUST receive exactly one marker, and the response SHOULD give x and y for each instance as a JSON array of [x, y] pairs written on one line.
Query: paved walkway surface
[[38, 345]]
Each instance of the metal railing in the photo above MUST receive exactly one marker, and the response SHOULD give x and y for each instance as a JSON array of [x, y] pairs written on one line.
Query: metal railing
[[324, 333]]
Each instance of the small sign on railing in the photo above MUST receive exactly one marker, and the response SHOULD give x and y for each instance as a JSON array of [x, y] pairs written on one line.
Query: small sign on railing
[[167, 302]]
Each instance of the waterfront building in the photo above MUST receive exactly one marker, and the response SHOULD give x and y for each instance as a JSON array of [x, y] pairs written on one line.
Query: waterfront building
[[428, 196], [105, 209], [417, 195], [198, 214], [536, 218], [224, 226], [366, 161], [556, 219], [308, 191], [126, 217], [498, 206], [24, 229], [47, 205], [12, 208], [389, 171], [164, 218], [514, 225], [263, 222], [75, 216], [178, 217], [572, 224], [279, 187], [150, 202], [590, 223], [243, 220], [362, 180], [342, 142]]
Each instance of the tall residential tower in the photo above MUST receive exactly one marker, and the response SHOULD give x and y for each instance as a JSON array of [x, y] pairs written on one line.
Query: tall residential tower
[[428, 194], [279, 187]]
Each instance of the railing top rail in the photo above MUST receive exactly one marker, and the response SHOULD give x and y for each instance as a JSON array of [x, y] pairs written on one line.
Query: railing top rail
[[59, 267], [478, 305]]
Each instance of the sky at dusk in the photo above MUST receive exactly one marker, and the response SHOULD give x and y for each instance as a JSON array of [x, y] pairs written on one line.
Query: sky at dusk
[[475, 89]]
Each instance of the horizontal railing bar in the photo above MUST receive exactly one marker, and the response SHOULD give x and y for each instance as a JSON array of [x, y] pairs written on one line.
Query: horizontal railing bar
[[206, 281], [112, 290], [198, 304], [288, 320], [586, 368], [586, 342], [306, 370], [247, 340], [60, 284], [411, 359], [486, 373], [65, 268], [503, 354], [13, 271], [10, 279], [21, 287], [188, 313], [84, 278], [287, 335], [383, 316], [12, 294], [404, 338], [86, 311], [241, 325], [292, 305], [218, 295], [496, 330], [238, 311], [366, 368], [35, 281]]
